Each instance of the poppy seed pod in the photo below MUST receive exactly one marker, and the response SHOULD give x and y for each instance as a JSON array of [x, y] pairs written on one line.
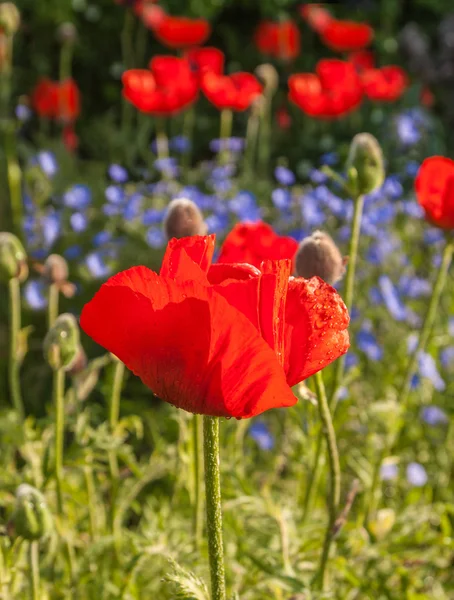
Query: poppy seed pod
[[9, 18], [32, 518], [56, 269], [13, 260], [62, 343], [183, 219], [365, 160], [67, 33], [318, 255], [268, 74]]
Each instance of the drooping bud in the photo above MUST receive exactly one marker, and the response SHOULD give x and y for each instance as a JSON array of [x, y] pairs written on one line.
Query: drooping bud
[[365, 164], [56, 269], [62, 343], [318, 255], [13, 260], [67, 33], [270, 77], [183, 219], [9, 18], [32, 518]]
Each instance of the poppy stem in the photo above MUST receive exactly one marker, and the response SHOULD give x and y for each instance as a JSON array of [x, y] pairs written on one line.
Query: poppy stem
[[162, 142], [114, 413], [14, 362], [197, 433], [34, 570], [52, 311], [226, 124], [335, 475], [349, 289], [214, 506], [59, 403]]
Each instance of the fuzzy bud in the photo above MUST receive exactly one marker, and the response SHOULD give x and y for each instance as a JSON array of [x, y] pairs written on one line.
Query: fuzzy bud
[[183, 219], [32, 518], [67, 33], [62, 343], [268, 74], [365, 164], [13, 260], [318, 255], [56, 269], [9, 18]]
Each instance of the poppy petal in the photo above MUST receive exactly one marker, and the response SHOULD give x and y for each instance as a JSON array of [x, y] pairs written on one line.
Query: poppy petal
[[199, 248], [316, 328]]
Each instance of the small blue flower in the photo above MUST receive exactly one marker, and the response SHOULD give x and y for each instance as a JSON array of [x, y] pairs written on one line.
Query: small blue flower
[[97, 266], [284, 176], [23, 112], [428, 369], [72, 252], [77, 197], [152, 216], [118, 173], [447, 357], [167, 166], [79, 222], [233, 144], [433, 235], [180, 143], [414, 287], [114, 194], [155, 237], [412, 168], [311, 211], [329, 158], [101, 238], [351, 360], [434, 415], [111, 210], [368, 344], [48, 163], [260, 433], [34, 294], [392, 187], [407, 130], [281, 199], [317, 176], [416, 474], [51, 226], [391, 298], [389, 471], [133, 207], [216, 223]]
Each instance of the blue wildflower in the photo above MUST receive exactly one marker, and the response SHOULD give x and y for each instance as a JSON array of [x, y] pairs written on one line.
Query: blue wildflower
[[389, 471], [155, 237], [151, 216], [79, 222], [101, 238], [48, 163], [117, 173], [329, 158], [407, 130], [428, 369], [284, 176], [23, 112], [416, 474], [391, 298], [351, 360], [260, 433], [72, 252], [51, 226], [180, 143], [78, 197], [97, 266], [114, 194], [412, 168], [317, 176], [34, 292], [447, 357], [281, 198], [434, 415], [367, 343], [167, 166]]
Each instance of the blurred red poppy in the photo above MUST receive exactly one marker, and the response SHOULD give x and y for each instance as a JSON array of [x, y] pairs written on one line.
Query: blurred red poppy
[[57, 100], [150, 13], [226, 341], [234, 92], [426, 97], [362, 60], [166, 89], [316, 16], [68, 103], [253, 243], [181, 32], [206, 60], [278, 39], [283, 118], [334, 91], [434, 186], [70, 138], [345, 36], [44, 98], [386, 84]]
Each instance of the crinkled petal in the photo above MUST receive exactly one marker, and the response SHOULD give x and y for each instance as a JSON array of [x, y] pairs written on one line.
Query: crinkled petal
[[199, 249]]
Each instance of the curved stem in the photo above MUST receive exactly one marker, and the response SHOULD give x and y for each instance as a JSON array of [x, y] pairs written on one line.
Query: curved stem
[[313, 478], [334, 471], [214, 507], [34, 570], [59, 402], [349, 289], [52, 309], [14, 363], [197, 430]]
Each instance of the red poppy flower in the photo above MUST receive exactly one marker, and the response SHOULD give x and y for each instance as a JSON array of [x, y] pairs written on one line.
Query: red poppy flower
[[226, 341], [434, 186], [283, 118], [362, 60], [70, 138], [166, 89], [44, 98], [234, 92], [331, 93], [386, 84], [206, 60], [317, 17], [345, 36], [278, 39], [253, 243], [181, 32], [150, 13], [68, 102]]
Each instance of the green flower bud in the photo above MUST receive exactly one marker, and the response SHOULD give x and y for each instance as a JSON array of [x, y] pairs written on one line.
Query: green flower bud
[[62, 343], [365, 164], [318, 255], [37, 184], [9, 18], [183, 219], [13, 260], [67, 33], [56, 269], [32, 518]]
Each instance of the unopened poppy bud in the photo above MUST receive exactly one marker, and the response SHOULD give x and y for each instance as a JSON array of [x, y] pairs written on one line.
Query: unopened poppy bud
[[56, 269], [183, 219], [268, 74], [318, 255], [9, 18], [67, 33], [62, 343], [365, 160], [13, 260], [32, 518]]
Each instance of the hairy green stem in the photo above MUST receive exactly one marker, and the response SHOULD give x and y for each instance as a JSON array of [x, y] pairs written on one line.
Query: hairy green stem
[[214, 506], [334, 473], [35, 593], [197, 445], [14, 362], [59, 403], [114, 413], [52, 309], [349, 290]]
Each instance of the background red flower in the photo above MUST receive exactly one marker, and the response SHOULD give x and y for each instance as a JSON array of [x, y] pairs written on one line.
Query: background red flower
[[345, 36], [434, 186], [278, 39], [181, 32], [386, 84], [234, 92]]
